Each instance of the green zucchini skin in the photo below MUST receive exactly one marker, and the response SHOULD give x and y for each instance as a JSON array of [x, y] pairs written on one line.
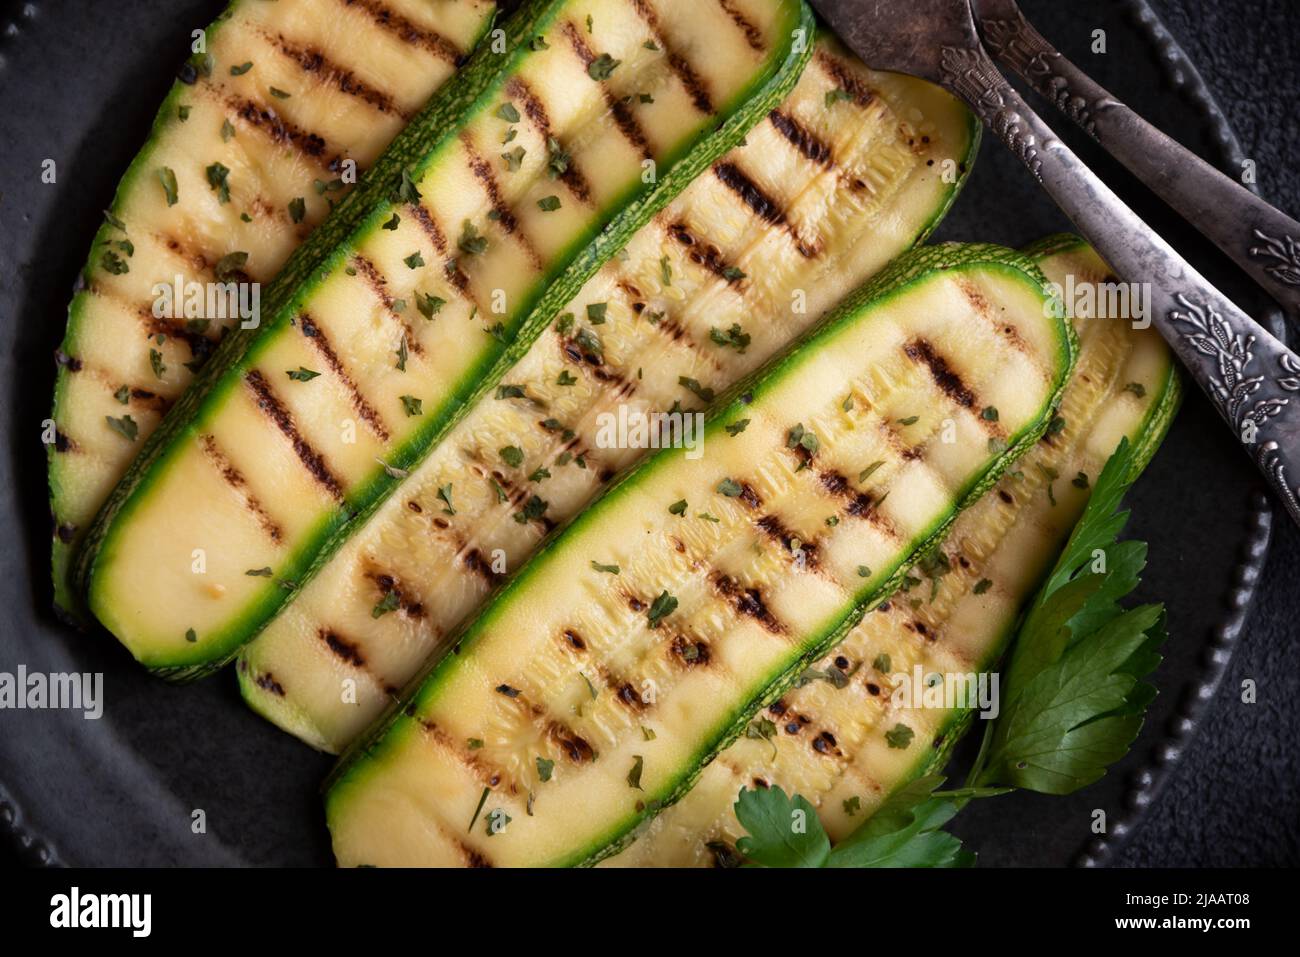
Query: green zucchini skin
[[296, 680], [365, 764], [847, 788], [363, 213], [95, 363]]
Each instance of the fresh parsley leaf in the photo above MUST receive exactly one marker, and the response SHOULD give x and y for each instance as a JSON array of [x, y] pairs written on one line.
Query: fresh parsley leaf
[[905, 832], [1073, 698], [783, 831]]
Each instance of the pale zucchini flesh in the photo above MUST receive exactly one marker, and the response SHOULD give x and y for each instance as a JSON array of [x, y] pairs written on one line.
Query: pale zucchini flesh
[[831, 743], [623, 685], [819, 199], [491, 210], [347, 77]]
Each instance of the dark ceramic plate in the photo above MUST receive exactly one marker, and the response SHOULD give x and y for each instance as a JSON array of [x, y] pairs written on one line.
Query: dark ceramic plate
[[79, 83]]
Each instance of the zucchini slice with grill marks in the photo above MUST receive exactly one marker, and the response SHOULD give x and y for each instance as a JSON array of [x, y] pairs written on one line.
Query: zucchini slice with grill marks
[[481, 221], [828, 739], [819, 199], [638, 643], [252, 147]]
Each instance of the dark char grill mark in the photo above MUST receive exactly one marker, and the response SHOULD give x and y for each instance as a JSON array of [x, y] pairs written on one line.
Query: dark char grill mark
[[748, 602], [476, 563], [802, 139], [234, 478], [280, 130], [408, 32], [312, 60], [623, 118], [346, 650], [762, 205], [363, 408], [505, 217], [702, 253], [278, 413], [574, 746], [535, 110], [379, 285], [681, 68], [861, 93], [948, 381], [753, 36]]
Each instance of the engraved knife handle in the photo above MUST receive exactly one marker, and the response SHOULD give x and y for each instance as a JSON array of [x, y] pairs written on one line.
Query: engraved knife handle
[[1262, 240], [1251, 377]]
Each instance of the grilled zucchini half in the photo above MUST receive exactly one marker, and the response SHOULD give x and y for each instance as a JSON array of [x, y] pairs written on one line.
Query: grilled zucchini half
[[483, 219], [599, 681], [264, 132], [746, 259], [830, 739]]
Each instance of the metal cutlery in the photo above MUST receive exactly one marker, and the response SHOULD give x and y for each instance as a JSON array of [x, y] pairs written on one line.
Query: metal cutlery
[[1264, 241], [1251, 377]]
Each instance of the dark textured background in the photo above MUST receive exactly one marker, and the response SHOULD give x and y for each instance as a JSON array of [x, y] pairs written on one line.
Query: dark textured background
[[1234, 798]]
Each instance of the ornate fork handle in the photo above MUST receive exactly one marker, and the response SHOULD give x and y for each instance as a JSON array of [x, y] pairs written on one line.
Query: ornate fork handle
[[1252, 378], [1262, 240]]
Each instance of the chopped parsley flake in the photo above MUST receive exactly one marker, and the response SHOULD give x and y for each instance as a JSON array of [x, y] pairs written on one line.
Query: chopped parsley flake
[[388, 603], [125, 427], [660, 608], [168, 178], [470, 241], [603, 67], [900, 736]]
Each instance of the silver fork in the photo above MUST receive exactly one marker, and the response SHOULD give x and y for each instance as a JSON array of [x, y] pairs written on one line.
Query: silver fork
[[1250, 376], [1264, 241]]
